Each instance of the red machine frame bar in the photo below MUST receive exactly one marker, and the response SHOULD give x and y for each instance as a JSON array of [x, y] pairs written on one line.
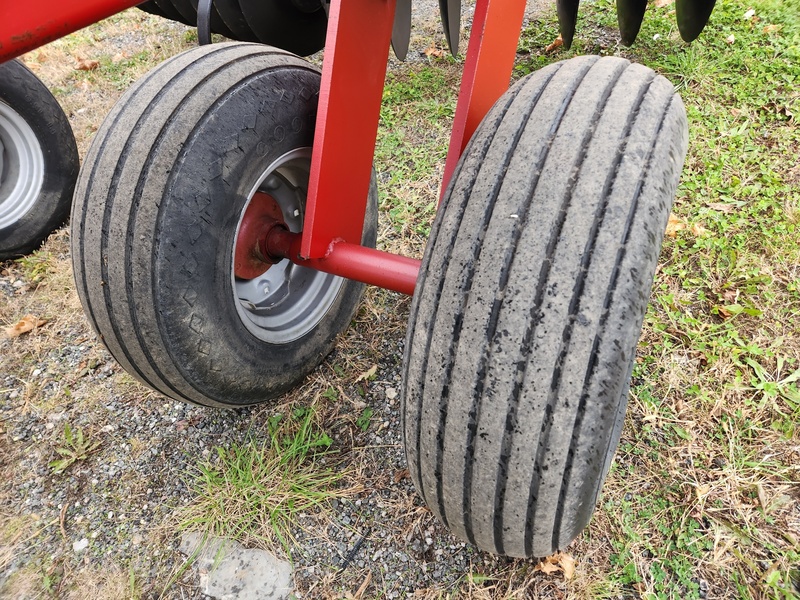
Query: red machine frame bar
[[28, 25], [353, 74], [354, 70], [493, 41]]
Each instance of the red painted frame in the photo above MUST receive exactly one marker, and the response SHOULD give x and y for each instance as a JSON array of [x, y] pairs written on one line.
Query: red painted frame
[[353, 75]]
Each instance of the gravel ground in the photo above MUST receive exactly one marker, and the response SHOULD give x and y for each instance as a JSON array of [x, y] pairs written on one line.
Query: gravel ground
[[107, 523]]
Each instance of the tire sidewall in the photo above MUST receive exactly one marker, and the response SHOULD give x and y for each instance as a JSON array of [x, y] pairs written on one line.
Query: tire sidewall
[[196, 302], [21, 90]]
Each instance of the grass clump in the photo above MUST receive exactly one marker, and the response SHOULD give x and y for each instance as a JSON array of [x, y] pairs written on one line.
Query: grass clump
[[254, 492]]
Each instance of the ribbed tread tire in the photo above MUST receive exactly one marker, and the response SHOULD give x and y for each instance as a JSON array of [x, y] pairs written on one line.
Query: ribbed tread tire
[[530, 300], [155, 213]]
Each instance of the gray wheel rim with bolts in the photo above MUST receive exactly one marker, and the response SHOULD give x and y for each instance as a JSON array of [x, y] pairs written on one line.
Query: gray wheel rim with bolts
[[21, 166], [288, 300]]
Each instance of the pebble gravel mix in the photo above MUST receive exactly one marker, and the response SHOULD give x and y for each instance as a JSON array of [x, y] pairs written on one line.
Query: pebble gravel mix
[[116, 506]]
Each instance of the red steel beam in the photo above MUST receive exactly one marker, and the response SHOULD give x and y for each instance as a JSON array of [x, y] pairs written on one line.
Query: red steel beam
[[28, 25], [496, 27], [367, 265], [353, 261], [353, 73]]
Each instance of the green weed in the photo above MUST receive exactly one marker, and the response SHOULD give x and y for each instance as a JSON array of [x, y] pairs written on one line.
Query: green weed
[[364, 420], [74, 447]]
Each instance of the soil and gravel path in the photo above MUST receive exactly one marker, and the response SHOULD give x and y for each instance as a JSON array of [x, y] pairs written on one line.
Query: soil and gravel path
[[106, 526]]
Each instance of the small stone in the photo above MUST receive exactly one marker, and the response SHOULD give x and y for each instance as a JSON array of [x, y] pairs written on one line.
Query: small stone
[[391, 393], [80, 545]]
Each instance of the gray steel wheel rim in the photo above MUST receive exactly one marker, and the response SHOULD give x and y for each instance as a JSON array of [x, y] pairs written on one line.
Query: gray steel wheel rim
[[288, 301], [21, 166]]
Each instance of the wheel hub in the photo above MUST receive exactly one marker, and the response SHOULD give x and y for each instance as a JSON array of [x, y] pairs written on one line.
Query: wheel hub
[[21, 166], [278, 301], [261, 216]]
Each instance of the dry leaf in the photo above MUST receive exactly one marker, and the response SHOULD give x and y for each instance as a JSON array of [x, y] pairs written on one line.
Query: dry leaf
[[702, 490], [731, 39], [749, 14], [698, 230], [435, 51], [674, 225], [721, 207], [567, 565], [85, 64], [663, 3], [762, 496], [401, 474], [367, 375], [557, 563], [557, 43], [547, 567], [26, 324]]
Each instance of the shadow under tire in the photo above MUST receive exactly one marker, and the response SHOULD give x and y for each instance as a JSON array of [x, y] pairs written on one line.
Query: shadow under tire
[[530, 300], [38, 161], [163, 191]]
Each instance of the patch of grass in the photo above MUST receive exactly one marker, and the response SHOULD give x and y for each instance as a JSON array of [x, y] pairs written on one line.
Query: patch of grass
[[36, 267], [418, 107], [255, 491]]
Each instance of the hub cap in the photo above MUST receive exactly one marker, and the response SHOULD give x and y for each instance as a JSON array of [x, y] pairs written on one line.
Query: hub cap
[[285, 301], [21, 167]]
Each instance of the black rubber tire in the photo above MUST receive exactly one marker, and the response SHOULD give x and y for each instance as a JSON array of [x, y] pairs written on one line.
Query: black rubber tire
[[24, 94], [279, 23], [231, 14], [155, 215], [530, 300]]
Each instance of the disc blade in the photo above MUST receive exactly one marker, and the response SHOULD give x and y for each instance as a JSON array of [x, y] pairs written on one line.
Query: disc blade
[[401, 30], [451, 21], [280, 23], [630, 14], [231, 14], [151, 7], [692, 17], [567, 17]]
